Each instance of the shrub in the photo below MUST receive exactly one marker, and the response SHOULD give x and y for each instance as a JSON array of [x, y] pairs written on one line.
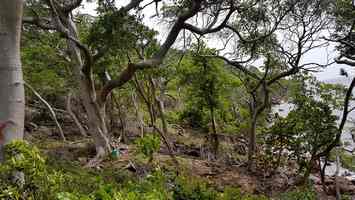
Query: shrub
[[305, 132], [41, 181], [235, 194], [59, 180], [148, 145], [192, 189], [304, 193]]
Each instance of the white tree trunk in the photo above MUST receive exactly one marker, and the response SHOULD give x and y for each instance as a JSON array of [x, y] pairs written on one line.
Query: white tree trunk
[[12, 98]]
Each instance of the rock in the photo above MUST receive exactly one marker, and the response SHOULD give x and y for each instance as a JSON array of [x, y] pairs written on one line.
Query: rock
[[83, 160], [280, 181], [45, 130], [18, 178], [346, 186], [315, 179]]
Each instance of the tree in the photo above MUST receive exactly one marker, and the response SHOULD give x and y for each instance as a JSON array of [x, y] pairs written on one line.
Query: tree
[[207, 83], [60, 18], [305, 132], [344, 37], [12, 100], [250, 30]]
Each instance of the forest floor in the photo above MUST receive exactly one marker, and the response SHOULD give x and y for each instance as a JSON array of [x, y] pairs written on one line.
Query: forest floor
[[229, 170]]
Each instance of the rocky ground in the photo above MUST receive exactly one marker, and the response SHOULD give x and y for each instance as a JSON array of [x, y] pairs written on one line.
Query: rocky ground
[[228, 170]]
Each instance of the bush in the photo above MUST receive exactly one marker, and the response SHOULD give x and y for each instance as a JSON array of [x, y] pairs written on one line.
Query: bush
[[41, 181], [195, 117], [304, 133], [148, 145], [65, 181], [235, 194], [192, 189], [304, 193]]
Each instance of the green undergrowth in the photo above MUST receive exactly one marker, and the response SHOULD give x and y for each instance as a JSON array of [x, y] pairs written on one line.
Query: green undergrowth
[[347, 160], [52, 178], [304, 193]]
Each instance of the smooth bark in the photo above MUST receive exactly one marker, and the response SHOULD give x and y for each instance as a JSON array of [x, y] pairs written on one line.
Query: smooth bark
[[12, 98], [86, 91]]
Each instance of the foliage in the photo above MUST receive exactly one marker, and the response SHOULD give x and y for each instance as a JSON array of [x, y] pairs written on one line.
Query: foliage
[[235, 194], [344, 13], [203, 87], [208, 87], [343, 33], [44, 181], [148, 145], [44, 68], [347, 160], [192, 189], [47, 182], [304, 193], [307, 85], [307, 130], [21, 157], [116, 35]]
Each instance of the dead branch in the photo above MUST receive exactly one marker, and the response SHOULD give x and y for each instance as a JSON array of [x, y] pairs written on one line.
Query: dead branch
[[51, 111]]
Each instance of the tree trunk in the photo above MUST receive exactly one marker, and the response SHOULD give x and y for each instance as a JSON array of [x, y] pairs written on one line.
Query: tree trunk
[[147, 100], [252, 139], [73, 116], [161, 110], [122, 115], [215, 142], [336, 180], [165, 132], [138, 114], [12, 97], [87, 93]]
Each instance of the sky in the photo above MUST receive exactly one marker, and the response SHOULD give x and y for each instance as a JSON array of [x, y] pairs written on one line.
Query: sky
[[321, 55]]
